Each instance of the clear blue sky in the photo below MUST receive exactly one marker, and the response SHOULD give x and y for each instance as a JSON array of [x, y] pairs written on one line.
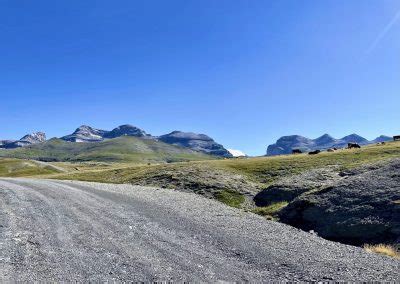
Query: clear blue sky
[[244, 72]]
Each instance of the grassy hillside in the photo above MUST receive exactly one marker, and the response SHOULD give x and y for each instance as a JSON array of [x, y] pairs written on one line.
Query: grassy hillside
[[123, 149], [246, 176], [226, 180], [22, 168], [280, 181]]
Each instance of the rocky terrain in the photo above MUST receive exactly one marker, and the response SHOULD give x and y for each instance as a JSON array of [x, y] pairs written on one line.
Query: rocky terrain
[[198, 142], [286, 144], [126, 130], [355, 206], [85, 133], [29, 139], [60, 230]]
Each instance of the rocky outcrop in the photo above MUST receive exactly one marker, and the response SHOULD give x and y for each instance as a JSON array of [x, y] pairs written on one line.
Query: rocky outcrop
[[86, 133], [89, 134], [194, 141], [356, 207], [286, 144], [29, 139], [35, 137], [126, 130]]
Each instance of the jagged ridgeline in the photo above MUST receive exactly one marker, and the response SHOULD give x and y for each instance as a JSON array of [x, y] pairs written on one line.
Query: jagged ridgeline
[[125, 143], [286, 144]]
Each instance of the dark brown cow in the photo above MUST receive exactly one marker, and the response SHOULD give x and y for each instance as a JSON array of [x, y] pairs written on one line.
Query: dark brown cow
[[353, 145], [314, 152], [296, 151]]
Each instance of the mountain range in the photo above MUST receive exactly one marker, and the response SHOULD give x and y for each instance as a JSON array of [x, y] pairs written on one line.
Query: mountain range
[[189, 140], [193, 141], [29, 139], [286, 144]]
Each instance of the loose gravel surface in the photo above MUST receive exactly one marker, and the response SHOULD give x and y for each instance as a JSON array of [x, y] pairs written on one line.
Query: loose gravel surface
[[68, 230]]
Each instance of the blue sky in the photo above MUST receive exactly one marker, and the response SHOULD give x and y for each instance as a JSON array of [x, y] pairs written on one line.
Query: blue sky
[[244, 72]]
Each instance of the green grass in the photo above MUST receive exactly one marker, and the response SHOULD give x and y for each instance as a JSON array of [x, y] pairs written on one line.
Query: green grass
[[270, 210], [261, 171], [230, 197], [268, 169], [208, 177], [21, 168], [123, 149]]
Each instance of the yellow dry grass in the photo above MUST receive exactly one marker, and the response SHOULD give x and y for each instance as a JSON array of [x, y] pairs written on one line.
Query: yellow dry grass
[[383, 249]]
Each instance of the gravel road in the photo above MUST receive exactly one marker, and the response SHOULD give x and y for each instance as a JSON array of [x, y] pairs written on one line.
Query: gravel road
[[68, 230]]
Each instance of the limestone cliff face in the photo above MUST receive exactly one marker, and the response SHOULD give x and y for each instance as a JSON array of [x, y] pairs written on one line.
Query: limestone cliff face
[[194, 141]]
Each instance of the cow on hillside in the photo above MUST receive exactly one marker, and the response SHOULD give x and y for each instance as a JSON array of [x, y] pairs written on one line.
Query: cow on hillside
[[353, 145]]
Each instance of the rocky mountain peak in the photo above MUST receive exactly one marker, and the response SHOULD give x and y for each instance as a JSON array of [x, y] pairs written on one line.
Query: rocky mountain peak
[[35, 137], [29, 139], [286, 144], [382, 138], [85, 133], [195, 141], [354, 138], [126, 130], [186, 136], [324, 139]]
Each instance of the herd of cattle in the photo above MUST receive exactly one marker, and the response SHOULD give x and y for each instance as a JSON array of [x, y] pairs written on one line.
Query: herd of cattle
[[349, 146]]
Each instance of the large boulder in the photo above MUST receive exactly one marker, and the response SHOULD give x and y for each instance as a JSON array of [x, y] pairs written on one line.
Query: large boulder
[[290, 187], [361, 206]]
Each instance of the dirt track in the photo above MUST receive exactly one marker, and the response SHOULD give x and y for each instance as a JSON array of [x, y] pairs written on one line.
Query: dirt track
[[62, 230]]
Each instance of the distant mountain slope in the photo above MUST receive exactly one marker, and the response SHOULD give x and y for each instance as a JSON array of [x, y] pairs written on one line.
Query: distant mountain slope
[[126, 130], [85, 133], [122, 149], [29, 139], [5, 142], [286, 144], [382, 138], [198, 142]]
